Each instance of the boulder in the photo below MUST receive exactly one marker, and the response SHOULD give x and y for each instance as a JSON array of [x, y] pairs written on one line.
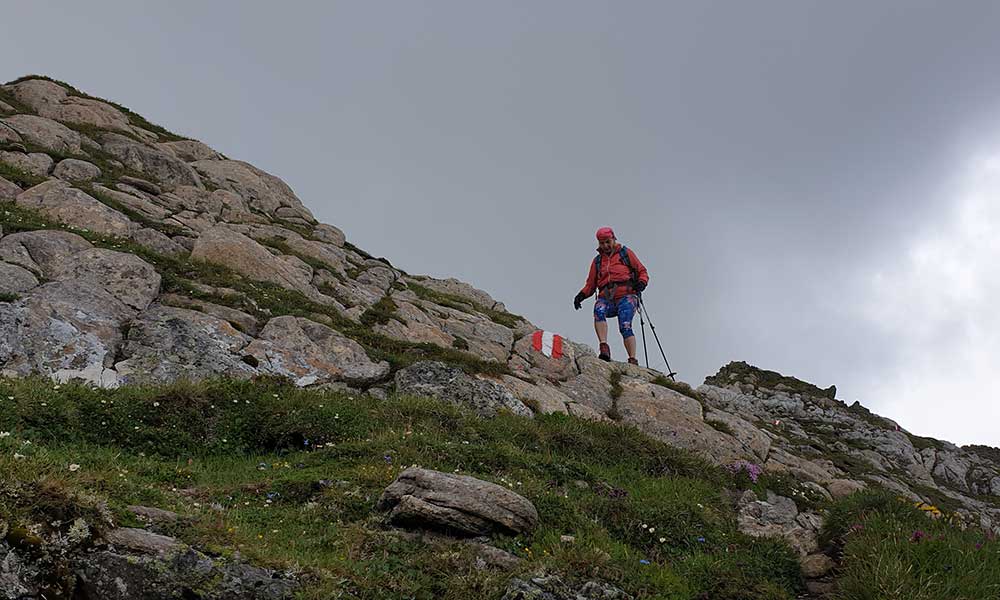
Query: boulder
[[166, 344], [158, 242], [45, 133], [41, 251], [71, 169], [126, 277], [224, 246], [165, 168], [535, 363], [53, 101], [551, 587], [329, 234], [456, 503], [61, 202], [310, 353], [841, 488], [543, 398], [413, 325], [65, 330], [262, 191], [444, 382], [36, 163], [8, 135], [239, 319], [8, 190], [15, 279], [190, 150]]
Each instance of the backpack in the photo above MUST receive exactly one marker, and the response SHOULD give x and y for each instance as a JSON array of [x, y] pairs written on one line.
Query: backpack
[[623, 254]]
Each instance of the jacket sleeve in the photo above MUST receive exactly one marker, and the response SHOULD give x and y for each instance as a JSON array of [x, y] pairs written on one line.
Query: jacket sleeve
[[639, 267], [591, 286]]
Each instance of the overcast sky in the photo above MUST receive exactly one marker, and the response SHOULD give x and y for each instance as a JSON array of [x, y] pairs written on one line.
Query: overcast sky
[[815, 187]]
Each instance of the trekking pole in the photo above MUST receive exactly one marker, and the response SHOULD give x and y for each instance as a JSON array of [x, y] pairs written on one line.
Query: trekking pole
[[642, 309], [642, 324]]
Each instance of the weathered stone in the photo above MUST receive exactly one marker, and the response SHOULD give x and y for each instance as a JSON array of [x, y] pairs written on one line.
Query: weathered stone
[[125, 277], [162, 166], [485, 339], [15, 279], [46, 133], [542, 398], [461, 289], [52, 100], [815, 566], [8, 190], [456, 503], [223, 246], [753, 439], [441, 381], [190, 150], [8, 135], [140, 540], [36, 163], [166, 344], [137, 202], [64, 329], [72, 169], [61, 202], [141, 184], [416, 326], [158, 242], [309, 353], [153, 515], [261, 191], [329, 234], [841, 488], [551, 587], [40, 251], [537, 364], [241, 320]]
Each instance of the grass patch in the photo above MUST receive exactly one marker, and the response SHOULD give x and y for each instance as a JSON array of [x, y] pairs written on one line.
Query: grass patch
[[18, 177], [678, 386], [721, 427], [891, 550], [294, 475], [506, 319], [9, 297], [615, 379], [380, 313]]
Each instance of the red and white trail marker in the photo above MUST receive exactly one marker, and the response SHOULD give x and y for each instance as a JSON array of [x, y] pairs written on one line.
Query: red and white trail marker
[[548, 343]]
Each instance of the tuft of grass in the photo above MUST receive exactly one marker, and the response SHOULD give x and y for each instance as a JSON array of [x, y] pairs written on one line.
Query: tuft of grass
[[506, 319], [380, 313], [18, 177], [615, 379], [677, 386], [9, 297], [721, 426], [290, 478]]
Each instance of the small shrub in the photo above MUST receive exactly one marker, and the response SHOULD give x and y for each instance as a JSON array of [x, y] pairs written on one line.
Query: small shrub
[[721, 427], [9, 297]]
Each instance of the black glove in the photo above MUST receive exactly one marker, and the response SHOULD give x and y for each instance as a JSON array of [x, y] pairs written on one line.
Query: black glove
[[578, 300], [640, 286]]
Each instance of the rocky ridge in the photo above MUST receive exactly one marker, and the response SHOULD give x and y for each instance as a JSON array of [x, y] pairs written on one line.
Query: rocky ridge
[[129, 254]]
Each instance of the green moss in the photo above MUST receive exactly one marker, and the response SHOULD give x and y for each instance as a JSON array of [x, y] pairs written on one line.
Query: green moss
[[380, 313], [8, 297], [722, 427]]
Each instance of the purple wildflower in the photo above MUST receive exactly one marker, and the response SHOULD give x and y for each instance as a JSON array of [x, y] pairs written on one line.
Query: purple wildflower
[[917, 536], [752, 470]]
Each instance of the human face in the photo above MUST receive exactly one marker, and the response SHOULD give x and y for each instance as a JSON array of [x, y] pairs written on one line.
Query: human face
[[606, 245]]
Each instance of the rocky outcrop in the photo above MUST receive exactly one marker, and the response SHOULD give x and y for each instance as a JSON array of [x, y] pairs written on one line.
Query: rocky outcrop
[[456, 503], [61, 202], [438, 380]]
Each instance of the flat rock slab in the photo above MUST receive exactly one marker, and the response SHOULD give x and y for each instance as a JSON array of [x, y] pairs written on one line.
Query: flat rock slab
[[61, 202], [441, 381], [456, 503]]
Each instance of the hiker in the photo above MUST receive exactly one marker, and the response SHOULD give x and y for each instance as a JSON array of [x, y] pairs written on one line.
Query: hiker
[[617, 275]]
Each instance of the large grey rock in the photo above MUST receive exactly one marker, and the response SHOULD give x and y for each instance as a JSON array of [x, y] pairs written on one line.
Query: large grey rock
[[190, 150], [414, 325], [486, 339], [36, 163], [224, 246], [46, 133], [778, 517], [15, 279], [126, 277], [64, 329], [138, 565], [8, 135], [309, 353], [53, 101], [222, 205], [441, 381], [329, 234], [239, 319], [8, 190], [544, 398], [456, 503], [71, 169], [535, 363], [262, 191], [166, 168], [61, 202], [41, 251], [166, 344]]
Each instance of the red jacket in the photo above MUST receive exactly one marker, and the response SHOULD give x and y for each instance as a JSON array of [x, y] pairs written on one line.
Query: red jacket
[[614, 270]]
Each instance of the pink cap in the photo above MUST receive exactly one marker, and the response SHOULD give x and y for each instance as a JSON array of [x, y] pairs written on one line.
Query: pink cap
[[605, 233]]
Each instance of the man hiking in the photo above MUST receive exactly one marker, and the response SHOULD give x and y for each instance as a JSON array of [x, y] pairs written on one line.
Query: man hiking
[[617, 275]]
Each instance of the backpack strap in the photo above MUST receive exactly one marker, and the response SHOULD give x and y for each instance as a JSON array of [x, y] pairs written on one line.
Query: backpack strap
[[623, 253]]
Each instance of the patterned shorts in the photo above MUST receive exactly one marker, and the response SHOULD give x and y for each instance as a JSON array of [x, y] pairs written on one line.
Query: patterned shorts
[[624, 309]]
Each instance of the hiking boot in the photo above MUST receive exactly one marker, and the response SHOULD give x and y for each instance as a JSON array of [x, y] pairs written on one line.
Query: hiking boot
[[633, 360], [605, 353]]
